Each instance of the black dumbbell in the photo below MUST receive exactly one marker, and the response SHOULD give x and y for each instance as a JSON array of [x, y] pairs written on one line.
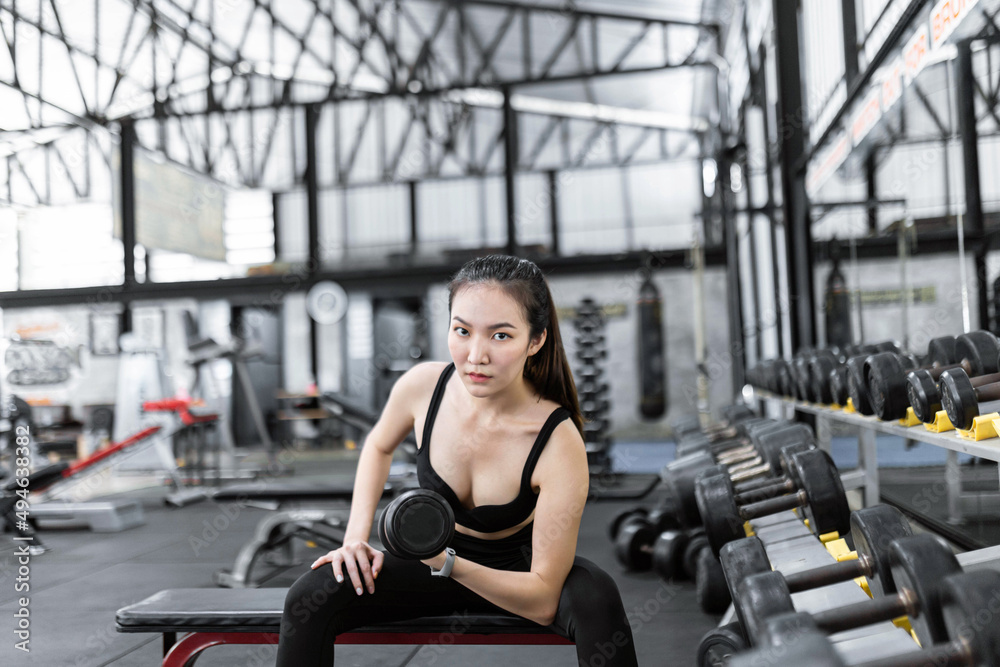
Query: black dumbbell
[[922, 388], [873, 529], [749, 436], [680, 475], [975, 352], [964, 599], [821, 496], [637, 533], [416, 525], [960, 397], [721, 643], [699, 437], [675, 553], [811, 370], [925, 395], [917, 562]]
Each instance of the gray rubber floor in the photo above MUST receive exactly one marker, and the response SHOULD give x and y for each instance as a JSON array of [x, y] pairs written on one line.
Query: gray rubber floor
[[78, 585]]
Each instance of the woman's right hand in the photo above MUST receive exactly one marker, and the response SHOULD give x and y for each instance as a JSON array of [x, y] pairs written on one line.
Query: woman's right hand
[[363, 562]]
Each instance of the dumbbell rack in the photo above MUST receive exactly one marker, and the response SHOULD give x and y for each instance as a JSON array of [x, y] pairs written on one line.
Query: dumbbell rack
[[589, 324], [958, 503], [791, 547]]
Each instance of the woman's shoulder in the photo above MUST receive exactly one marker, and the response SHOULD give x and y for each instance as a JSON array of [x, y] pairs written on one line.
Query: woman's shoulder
[[422, 377]]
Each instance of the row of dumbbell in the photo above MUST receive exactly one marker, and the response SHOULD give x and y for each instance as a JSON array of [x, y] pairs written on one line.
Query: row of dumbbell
[[760, 468], [916, 576], [957, 375]]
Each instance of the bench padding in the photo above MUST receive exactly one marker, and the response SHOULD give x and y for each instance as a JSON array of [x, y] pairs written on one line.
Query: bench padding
[[285, 492], [259, 610]]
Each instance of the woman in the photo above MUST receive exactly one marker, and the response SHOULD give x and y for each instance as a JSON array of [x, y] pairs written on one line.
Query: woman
[[504, 422]]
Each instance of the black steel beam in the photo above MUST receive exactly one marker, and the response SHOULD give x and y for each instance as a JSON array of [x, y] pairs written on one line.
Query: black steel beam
[[734, 296], [414, 217], [277, 222], [312, 190], [510, 140], [871, 170], [759, 96], [938, 242], [270, 290], [554, 212], [798, 232], [127, 185], [970, 168], [315, 263], [969, 136], [850, 23]]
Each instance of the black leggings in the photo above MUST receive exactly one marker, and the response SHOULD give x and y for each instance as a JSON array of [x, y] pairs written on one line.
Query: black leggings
[[317, 608]]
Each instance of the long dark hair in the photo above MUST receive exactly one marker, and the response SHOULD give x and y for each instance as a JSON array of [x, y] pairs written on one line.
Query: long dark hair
[[548, 369]]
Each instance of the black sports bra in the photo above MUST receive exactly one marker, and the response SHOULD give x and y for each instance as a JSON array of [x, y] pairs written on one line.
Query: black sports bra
[[485, 518]]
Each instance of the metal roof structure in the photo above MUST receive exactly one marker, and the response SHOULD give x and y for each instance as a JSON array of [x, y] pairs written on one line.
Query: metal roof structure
[[214, 84]]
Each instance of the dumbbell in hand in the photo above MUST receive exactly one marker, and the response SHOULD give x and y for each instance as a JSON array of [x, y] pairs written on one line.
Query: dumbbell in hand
[[821, 496], [417, 525], [964, 599], [917, 562]]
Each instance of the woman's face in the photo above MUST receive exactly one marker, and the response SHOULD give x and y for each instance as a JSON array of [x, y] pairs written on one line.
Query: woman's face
[[489, 339]]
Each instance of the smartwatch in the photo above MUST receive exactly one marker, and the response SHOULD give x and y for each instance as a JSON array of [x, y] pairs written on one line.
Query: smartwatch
[[449, 563]]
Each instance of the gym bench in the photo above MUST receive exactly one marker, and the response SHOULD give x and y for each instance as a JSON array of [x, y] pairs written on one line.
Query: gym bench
[[215, 617]]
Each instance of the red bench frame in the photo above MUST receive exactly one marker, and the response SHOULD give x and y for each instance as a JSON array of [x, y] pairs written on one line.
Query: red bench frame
[[181, 654]]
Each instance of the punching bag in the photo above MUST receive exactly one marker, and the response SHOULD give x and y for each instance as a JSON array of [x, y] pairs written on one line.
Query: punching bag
[[652, 355], [837, 304]]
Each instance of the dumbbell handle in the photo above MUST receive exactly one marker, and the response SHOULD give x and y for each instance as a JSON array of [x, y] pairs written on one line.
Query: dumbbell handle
[[740, 477], [988, 392], [737, 454], [936, 371], [826, 575], [952, 654], [753, 484], [777, 487], [867, 612], [744, 466], [980, 380], [774, 505]]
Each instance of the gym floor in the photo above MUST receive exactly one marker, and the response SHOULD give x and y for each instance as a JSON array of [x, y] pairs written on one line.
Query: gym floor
[[79, 584]]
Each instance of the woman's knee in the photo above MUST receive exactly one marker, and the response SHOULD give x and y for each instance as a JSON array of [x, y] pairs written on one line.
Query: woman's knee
[[587, 582], [310, 593]]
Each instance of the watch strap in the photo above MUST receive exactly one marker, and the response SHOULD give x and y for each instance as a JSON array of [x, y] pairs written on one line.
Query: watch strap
[[449, 564]]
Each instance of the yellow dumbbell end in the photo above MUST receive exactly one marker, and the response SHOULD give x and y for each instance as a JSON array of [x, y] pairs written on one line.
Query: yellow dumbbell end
[[983, 428], [910, 419], [941, 423], [829, 537]]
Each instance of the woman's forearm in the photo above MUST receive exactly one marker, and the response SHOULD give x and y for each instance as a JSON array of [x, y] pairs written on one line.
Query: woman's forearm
[[369, 481], [523, 593]]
